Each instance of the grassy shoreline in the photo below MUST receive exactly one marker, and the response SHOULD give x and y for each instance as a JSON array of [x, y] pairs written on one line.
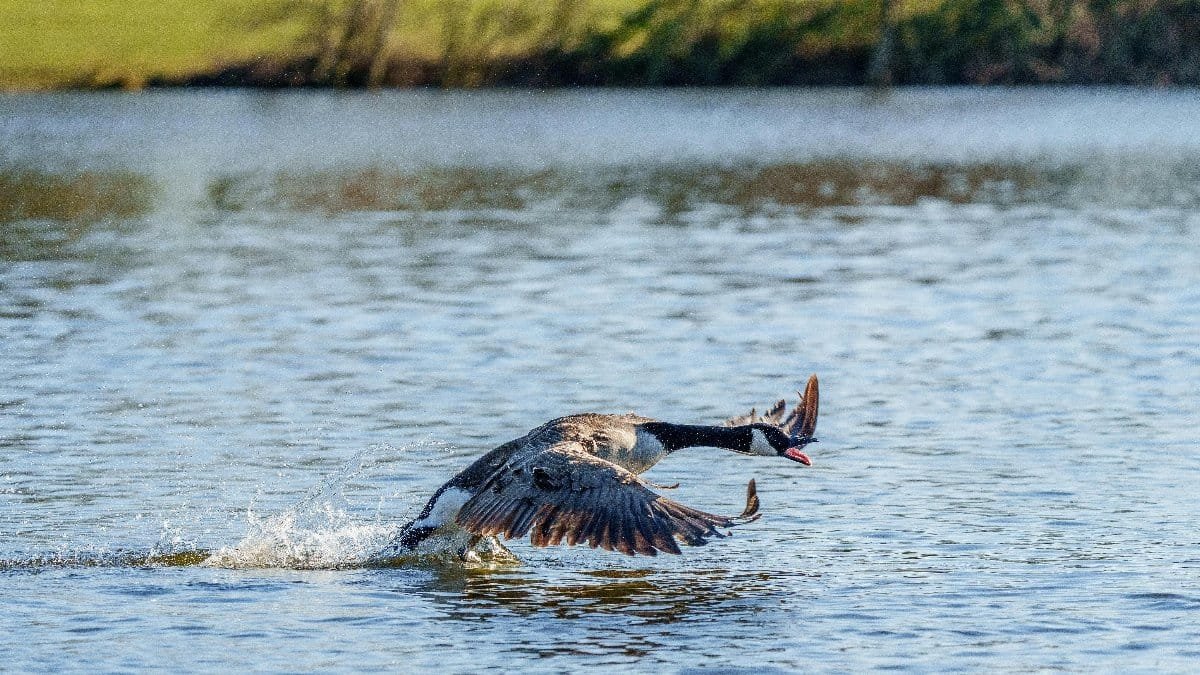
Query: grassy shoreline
[[61, 44]]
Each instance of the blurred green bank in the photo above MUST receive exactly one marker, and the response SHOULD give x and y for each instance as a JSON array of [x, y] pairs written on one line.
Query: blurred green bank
[[120, 43]]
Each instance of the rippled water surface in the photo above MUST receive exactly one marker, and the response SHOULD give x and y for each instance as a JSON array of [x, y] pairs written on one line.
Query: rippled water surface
[[245, 335]]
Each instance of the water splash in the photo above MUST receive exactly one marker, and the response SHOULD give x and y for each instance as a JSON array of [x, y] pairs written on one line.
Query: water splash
[[319, 532], [322, 531]]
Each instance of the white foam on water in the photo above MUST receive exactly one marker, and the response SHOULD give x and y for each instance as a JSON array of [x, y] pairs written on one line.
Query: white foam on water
[[295, 540], [322, 531], [319, 532]]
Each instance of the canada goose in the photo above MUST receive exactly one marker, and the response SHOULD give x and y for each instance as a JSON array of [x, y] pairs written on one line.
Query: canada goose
[[575, 479]]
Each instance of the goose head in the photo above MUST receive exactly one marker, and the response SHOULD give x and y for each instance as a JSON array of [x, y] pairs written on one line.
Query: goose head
[[771, 441]]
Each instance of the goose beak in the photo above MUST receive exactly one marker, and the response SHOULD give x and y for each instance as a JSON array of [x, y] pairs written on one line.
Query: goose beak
[[796, 455]]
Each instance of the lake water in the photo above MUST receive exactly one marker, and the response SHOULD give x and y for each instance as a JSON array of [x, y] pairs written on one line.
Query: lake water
[[246, 334]]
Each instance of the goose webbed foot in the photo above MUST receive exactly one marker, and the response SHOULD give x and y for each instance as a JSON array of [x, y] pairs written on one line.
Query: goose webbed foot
[[750, 513]]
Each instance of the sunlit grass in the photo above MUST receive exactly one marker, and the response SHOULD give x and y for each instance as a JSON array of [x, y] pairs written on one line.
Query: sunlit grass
[[54, 42]]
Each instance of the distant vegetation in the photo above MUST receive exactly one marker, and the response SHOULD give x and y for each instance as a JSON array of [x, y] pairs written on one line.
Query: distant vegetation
[[467, 43]]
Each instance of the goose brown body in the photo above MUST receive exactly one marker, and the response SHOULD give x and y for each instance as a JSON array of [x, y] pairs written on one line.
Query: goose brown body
[[575, 479]]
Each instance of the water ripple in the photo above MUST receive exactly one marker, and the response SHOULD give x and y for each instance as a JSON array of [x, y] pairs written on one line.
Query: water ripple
[[269, 335]]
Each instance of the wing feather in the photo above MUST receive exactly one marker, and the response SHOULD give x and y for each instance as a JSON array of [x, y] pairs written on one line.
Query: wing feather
[[775, 414], [642, 537], [490, 511], [800, 423], [599, 534], [518, 525], [563, 494]]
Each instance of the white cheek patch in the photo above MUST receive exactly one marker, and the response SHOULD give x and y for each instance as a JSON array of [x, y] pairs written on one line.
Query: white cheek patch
[[759, 444]]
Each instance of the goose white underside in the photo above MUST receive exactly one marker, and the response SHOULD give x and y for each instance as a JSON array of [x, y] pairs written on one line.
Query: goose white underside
[[444, 509], [450, 540]]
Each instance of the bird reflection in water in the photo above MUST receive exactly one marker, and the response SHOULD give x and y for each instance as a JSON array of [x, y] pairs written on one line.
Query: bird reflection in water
[[653, 596]]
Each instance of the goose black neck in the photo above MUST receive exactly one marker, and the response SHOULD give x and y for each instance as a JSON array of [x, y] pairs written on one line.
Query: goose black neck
[[676, 436]]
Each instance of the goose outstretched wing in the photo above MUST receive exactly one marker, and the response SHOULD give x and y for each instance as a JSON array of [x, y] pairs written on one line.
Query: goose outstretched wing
[[563, 494], [801, 422], [772, 416]]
